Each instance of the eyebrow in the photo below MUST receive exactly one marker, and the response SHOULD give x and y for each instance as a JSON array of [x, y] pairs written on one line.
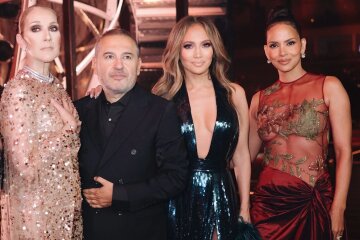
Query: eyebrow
[[204, 41], [37, 22], [127, 53], [124, 53], [284, 41]]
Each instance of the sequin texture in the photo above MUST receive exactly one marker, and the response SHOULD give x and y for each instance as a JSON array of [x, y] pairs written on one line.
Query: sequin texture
[[42, 197], [209, 204]]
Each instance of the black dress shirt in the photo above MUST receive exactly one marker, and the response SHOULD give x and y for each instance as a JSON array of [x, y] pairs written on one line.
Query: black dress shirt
[[110, 114]]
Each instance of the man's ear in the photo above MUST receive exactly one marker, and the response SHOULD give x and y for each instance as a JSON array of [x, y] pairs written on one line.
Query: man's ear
[[20, 41], [139, 67]]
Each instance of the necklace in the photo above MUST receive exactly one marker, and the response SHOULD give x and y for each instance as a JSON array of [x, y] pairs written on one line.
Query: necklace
[[38, 76]]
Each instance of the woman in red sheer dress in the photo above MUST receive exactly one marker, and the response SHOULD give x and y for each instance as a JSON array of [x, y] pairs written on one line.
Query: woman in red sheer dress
[[294, 198]]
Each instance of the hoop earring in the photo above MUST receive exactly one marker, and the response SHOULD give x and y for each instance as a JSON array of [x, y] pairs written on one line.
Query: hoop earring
[[268, 61], [303, 55]]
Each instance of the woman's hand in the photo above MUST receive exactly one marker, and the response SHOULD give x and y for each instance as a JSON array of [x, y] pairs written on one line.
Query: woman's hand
[[68, 115], [94, 92], [245, 214], [337, 222]]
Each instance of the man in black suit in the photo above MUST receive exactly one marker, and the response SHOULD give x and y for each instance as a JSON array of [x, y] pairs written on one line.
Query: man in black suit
[[132, 157]]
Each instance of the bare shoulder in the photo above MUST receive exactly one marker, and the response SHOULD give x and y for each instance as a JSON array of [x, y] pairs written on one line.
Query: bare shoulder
[[238, 92], [255, 99], [333, 89], [331, 82]]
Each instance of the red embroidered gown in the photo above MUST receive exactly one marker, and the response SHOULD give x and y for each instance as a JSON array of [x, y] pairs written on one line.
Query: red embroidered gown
[[294, 192]]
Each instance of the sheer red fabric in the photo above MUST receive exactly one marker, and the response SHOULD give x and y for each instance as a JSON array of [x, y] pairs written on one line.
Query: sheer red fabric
[[294, 193]]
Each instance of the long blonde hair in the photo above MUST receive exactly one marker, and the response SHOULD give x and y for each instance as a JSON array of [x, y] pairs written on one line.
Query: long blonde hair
[[173, 76]]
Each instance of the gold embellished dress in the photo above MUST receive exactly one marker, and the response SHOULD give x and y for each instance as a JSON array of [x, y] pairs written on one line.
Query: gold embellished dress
[[294, 192], [42, 197]]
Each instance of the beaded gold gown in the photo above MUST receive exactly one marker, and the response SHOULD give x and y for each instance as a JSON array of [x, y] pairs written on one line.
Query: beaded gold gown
[[42, 197]]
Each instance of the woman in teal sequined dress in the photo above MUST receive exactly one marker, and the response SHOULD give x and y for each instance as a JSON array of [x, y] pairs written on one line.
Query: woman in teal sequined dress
[[214, 121]]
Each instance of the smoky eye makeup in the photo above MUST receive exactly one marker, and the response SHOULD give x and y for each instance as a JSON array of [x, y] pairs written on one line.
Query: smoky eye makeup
[[187, 45], [207, 44], [54, 28], [35, 28]]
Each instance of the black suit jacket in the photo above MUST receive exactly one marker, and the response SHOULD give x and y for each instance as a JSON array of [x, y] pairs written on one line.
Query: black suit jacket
[[146, 160]]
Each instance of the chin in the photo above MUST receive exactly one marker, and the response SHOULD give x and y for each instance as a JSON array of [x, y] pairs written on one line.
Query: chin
[[48, 59]]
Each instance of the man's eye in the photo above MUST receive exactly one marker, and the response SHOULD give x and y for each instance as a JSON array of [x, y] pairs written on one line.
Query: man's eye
[[109, 56], [127, 57]]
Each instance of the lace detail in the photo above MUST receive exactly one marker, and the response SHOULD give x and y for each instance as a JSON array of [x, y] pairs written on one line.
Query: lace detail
[[301, 119], [293, 123]]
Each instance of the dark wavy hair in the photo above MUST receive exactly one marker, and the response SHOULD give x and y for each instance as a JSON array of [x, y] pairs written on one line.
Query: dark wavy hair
[[282, 15]]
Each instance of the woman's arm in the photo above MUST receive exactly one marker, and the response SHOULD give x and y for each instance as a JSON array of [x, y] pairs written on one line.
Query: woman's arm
[[254, 140], [338, 102], [25, 146], [241, 158], [17, 120]]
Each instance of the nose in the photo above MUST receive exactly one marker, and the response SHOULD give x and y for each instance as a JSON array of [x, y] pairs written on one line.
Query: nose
[[197, 52], [47, 36], [118, 63], [282, 50]]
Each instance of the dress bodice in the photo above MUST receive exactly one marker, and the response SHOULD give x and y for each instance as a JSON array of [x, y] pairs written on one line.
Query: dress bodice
[[293, 124], [41, 167], [225, 132]]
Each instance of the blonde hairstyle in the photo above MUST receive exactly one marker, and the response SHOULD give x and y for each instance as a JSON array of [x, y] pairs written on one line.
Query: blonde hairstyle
[[173, 76], [26, 12]]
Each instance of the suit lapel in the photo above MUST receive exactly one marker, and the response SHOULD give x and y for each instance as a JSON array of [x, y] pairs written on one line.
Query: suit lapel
[[130, 118]]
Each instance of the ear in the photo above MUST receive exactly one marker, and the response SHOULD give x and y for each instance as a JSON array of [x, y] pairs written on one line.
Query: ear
[[303, 45], [266, 52], [138, 67], [20, 41]]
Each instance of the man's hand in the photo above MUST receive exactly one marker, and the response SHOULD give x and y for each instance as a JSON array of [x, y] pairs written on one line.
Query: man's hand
[[100, 197]]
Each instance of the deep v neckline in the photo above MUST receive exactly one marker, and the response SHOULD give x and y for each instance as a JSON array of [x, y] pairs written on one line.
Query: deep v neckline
[[193, 124]]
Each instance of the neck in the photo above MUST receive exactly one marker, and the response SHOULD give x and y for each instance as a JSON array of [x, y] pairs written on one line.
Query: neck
[[42, 68], [194, 81], [113, 97], [291, 75]]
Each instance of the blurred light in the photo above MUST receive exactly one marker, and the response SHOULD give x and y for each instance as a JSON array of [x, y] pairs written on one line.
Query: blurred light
[[312, 20]]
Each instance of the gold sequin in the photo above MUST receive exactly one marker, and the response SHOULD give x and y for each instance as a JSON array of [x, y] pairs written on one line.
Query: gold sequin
[[42, 183]]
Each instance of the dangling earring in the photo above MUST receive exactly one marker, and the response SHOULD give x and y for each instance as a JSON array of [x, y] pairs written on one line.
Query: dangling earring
[[268, 61], [303, 55]]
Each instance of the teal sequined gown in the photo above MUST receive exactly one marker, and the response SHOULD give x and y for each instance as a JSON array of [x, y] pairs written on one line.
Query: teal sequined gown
[[210, 201]]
